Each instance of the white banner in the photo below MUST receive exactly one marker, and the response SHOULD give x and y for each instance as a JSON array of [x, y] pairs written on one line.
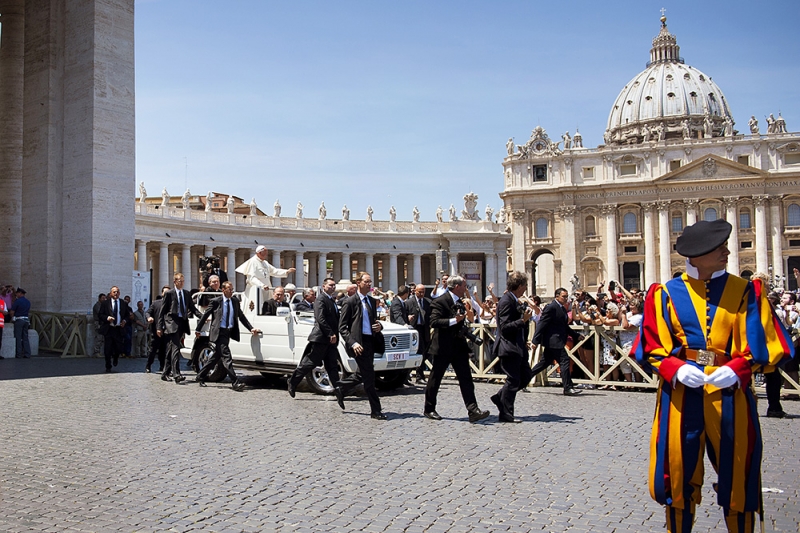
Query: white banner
[[141, 288]]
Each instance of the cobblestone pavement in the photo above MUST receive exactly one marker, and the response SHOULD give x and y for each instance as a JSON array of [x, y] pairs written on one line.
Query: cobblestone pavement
[[81, 450]]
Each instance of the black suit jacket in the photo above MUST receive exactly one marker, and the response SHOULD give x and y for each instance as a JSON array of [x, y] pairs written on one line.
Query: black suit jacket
[[153, 312], [107, 310], [215, 311], [168, 320], [553, 327], [270, 307], [398, 311], [512, 329], [446, 338], [305, 307], [414, 309], [350, 323], [326, 320]]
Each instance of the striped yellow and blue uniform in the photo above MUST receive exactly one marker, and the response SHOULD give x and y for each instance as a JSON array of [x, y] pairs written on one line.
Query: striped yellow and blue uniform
[[731, 317]]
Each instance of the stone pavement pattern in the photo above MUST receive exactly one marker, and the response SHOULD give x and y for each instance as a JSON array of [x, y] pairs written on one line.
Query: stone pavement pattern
[[85, 451]]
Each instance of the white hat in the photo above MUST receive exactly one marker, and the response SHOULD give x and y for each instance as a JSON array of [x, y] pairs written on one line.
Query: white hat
[[261, 248], [290, 287]]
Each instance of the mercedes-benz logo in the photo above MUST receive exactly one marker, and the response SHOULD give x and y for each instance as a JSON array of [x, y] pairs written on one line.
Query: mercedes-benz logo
[[393, 342]]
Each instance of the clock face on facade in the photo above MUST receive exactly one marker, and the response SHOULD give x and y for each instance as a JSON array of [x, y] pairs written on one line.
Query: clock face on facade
[[539, 146]]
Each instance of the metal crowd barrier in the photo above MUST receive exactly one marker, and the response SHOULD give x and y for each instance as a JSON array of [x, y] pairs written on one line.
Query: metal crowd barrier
[[60, 332]]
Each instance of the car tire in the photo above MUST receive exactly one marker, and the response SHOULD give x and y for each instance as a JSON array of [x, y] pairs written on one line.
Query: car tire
[[217, 373], [390, 380], [319, 381]]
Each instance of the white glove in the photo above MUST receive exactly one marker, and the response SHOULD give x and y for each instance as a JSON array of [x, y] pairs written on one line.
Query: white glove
[[691, 376], [723, 377]]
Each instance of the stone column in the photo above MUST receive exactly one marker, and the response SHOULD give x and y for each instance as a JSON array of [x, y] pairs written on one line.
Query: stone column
[[691, 211], [393, 281], [519, 236], [732, 216], [299, 275], [650, 275], [276, 262], [346, 266], [361, 263], [312, 272], [609, 212], [453, 263], [231, 270], [664, 242], [322, 267], [369, 266], [337, 268], [416, 268], [491, 272], [186, 262], [141, 255], [776, 229], [12, 70], [762, 260], [163, 265], [241, 280], [193, 277], [569, 265]]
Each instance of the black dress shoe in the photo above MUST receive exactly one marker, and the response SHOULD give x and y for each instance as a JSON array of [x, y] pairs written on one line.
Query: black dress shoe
[[200, 382], [178, 379], [775, 413], [165, 378], [496, 400], [238, 386], [291, 390], [509, 419], [421, 380], [147, 370], [572, 392], [476, 414], [339, 397], [378, 416], [433, 415]]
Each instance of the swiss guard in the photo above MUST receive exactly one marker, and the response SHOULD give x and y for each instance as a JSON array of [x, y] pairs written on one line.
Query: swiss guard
[[705, 333]]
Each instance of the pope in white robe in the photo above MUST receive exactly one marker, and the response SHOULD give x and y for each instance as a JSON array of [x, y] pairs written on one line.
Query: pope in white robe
[[257, 272]]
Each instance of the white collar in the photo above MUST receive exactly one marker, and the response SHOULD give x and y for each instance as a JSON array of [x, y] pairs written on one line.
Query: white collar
[[692, 271]]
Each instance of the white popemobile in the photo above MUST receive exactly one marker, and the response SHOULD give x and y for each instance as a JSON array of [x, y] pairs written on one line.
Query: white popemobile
[[279, 347]]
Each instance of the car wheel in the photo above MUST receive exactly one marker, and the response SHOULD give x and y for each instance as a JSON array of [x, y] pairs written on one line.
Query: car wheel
[[390, 380], [319, 381], [217, 373]]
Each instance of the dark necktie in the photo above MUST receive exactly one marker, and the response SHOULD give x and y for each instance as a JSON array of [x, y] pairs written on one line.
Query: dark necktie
[[421, 317], [116, 311], [228, 305], [182, 309]]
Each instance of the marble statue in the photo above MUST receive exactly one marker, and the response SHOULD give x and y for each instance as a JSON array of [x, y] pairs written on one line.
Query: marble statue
[[392, 214], [370, 211], [576, 283], [439, 212], [142, 193], [299, 212], [185, 199], [567, 140], [164, 197], [661, 130], [470, 202], [607, 137], [229, 204], [727, 127], [501, 217], [577, 141], [753, 123], [276, 208], [322, 211], [489, 212], [780, 124], [253, 207], [708, 127], [645, 133], [209, 196], [510, 146], [415, 214], [771, 124], [687, 134], [452, 213], [345, 213]]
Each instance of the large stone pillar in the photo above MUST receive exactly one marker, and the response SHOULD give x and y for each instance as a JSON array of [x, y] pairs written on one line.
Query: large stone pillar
[[416, 268], [776, 229], [569, 265], [453, 263], [276, 262], [609, 212], [491, 272], [731, 215], [369, 266], [141, 255], [519, 234], [322, 267], [762, 260], [691, 211], [12, 69], [299, 275], [346, 266], [393, 281], [650, 275], [186, 262], [312, 272], [664, 242], [337, 268], [231, 270], [163, 266]]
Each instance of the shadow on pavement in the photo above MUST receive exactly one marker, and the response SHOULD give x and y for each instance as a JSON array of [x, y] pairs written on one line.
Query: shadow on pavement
[[43, 366]]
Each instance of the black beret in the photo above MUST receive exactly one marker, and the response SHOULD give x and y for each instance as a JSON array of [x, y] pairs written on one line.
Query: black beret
[[703, 237]]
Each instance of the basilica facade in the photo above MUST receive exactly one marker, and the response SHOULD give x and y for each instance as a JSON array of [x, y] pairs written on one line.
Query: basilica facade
[[671, 156]]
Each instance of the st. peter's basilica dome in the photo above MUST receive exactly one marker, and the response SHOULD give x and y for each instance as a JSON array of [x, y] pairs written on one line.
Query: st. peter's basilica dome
[[668, 100]]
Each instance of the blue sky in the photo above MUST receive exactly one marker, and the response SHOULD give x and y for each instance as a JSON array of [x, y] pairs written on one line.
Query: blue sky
[[411, 103]]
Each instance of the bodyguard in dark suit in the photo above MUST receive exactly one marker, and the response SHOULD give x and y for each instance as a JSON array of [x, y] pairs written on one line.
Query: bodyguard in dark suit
[[158, 345], [361, 333], [512, 344], [419, 309], [449, 347], [323, 342], [398, 310], [173, 323], [114, 314], [551, 333], [225, 316]]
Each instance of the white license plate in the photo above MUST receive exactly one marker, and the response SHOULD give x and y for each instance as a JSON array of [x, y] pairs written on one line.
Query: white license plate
[[397, 356]]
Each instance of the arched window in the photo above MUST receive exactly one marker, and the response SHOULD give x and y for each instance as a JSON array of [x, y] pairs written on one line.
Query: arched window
[[589, 226], [540, 229], [794, 215], [744, 218], [710, 214], [629, 223]]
